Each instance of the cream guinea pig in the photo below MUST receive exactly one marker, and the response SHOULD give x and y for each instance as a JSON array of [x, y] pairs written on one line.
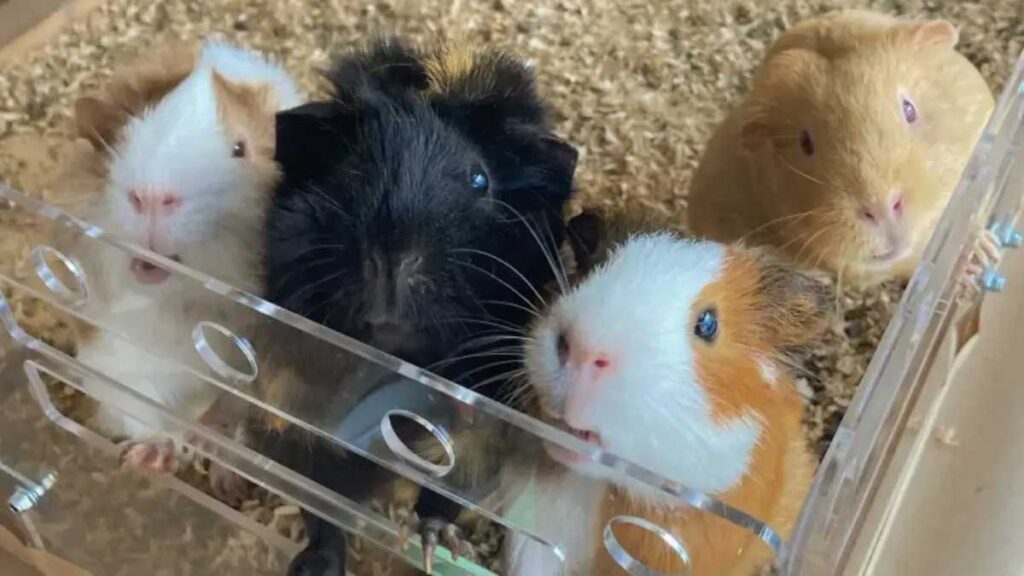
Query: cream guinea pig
[[672, 353], [848, 146]]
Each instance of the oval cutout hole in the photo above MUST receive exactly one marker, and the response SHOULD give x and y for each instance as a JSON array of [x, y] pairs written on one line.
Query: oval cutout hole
[[225, 353], [433, 454], [62, 275], [627, 561]]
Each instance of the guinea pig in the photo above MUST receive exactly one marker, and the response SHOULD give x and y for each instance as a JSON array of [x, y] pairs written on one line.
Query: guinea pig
[[672, 354], [184, 145], [420, 211], [848, 146]]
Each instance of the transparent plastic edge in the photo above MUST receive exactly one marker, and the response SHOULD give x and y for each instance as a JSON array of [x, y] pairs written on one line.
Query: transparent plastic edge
[[241, 459], [856, 459]]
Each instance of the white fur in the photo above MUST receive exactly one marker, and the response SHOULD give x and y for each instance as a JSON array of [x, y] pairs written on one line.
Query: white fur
[[177, 145], [769, 372], [570, 506], [648, 407]]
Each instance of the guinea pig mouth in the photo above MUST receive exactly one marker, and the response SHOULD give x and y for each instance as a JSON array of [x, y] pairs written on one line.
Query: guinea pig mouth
[[588, 436], [150, 274], [892, 255]]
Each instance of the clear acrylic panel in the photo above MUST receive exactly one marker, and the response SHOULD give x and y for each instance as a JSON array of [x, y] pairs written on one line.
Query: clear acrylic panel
[[274, 367], [895, 390]]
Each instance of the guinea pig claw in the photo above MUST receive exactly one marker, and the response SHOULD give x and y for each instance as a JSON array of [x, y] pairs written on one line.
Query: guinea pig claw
[[429, 547], [405, 529], [154, 455], [227, 486], [434, 530]]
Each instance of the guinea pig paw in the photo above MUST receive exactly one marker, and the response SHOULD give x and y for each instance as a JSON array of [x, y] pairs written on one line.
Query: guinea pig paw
[[151, 455], [984, 255], [435, 531], [227, 486]]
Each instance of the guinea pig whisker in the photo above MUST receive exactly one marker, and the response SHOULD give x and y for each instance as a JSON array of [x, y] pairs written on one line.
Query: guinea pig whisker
[[796, 170], [560, 273], [506, 352], [510, 328], [511, 374], [327, 199], [485, 340], [337, 247], [478, 369], [504, 263], [775, 222], [809, 241], [562, 281], [498, 280], [303, 268], [310, 288], [513, 305]]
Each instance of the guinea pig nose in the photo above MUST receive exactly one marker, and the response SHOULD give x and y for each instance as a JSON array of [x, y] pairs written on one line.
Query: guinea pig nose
[[897, 205], [562, 347], [136, 201]]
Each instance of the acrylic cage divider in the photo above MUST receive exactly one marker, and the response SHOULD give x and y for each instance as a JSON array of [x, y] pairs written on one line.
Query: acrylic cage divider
[[64, 494], [244, 348], [989, 195]]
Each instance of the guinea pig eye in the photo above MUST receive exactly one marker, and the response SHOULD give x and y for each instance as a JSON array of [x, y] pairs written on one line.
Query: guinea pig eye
[[707, 325], [478, 180], [238, 150], [806, 143], [909, 110]]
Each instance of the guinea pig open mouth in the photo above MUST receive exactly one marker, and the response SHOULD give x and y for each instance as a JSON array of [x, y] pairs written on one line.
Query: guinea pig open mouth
[[148, 273], [566, 457]]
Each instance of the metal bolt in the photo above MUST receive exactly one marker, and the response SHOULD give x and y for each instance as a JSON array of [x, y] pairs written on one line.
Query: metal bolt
[[1007, 235], [24, 499], [1012, 239], [992, 281]]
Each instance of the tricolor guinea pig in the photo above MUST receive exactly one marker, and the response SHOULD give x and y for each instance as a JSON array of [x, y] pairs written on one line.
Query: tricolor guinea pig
[[184, 144], [672, 354], [848, 146]]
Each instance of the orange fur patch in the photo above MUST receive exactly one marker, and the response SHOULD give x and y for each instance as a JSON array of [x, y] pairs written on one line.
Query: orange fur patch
[[100, 118]]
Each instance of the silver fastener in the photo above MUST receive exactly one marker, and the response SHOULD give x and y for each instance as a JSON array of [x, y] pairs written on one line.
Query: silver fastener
[[24, 499], [992, 281]]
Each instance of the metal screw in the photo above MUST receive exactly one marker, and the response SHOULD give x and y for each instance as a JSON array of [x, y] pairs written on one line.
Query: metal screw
[[992, 281], [1012, 239], [24, 499], [1007, 235]]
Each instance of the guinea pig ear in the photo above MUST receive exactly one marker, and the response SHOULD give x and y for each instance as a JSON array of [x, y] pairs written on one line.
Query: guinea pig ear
[[388, 68], [796, 302], [247, 113], [563, 154], [931, 33], [584, 233], [98, 121], [304, 138]]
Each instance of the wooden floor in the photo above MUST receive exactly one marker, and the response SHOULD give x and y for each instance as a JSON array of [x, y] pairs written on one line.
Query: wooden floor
[[28, 24]]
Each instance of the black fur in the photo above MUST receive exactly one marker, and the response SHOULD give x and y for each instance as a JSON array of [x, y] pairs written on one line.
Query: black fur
[[376, 230]]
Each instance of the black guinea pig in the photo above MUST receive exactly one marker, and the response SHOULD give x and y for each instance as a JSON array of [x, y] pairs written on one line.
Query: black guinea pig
[[420, 212], [422, 204]]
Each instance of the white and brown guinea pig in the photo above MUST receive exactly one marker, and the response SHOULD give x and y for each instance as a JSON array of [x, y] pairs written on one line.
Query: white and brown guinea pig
[[184, 144], [672, 354], [848, 146]]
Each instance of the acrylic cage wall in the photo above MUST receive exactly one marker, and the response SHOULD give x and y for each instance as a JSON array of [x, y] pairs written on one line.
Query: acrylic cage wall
[[244, 341]]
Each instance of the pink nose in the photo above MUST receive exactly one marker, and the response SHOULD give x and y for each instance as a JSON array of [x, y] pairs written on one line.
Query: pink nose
[[879, 214], [154, 201], [587, 360]]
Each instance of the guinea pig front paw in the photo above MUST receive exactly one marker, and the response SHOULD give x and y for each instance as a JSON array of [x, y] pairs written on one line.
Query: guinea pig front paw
[[150, 455], [229, 487], [984, 255], [434, 531]]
